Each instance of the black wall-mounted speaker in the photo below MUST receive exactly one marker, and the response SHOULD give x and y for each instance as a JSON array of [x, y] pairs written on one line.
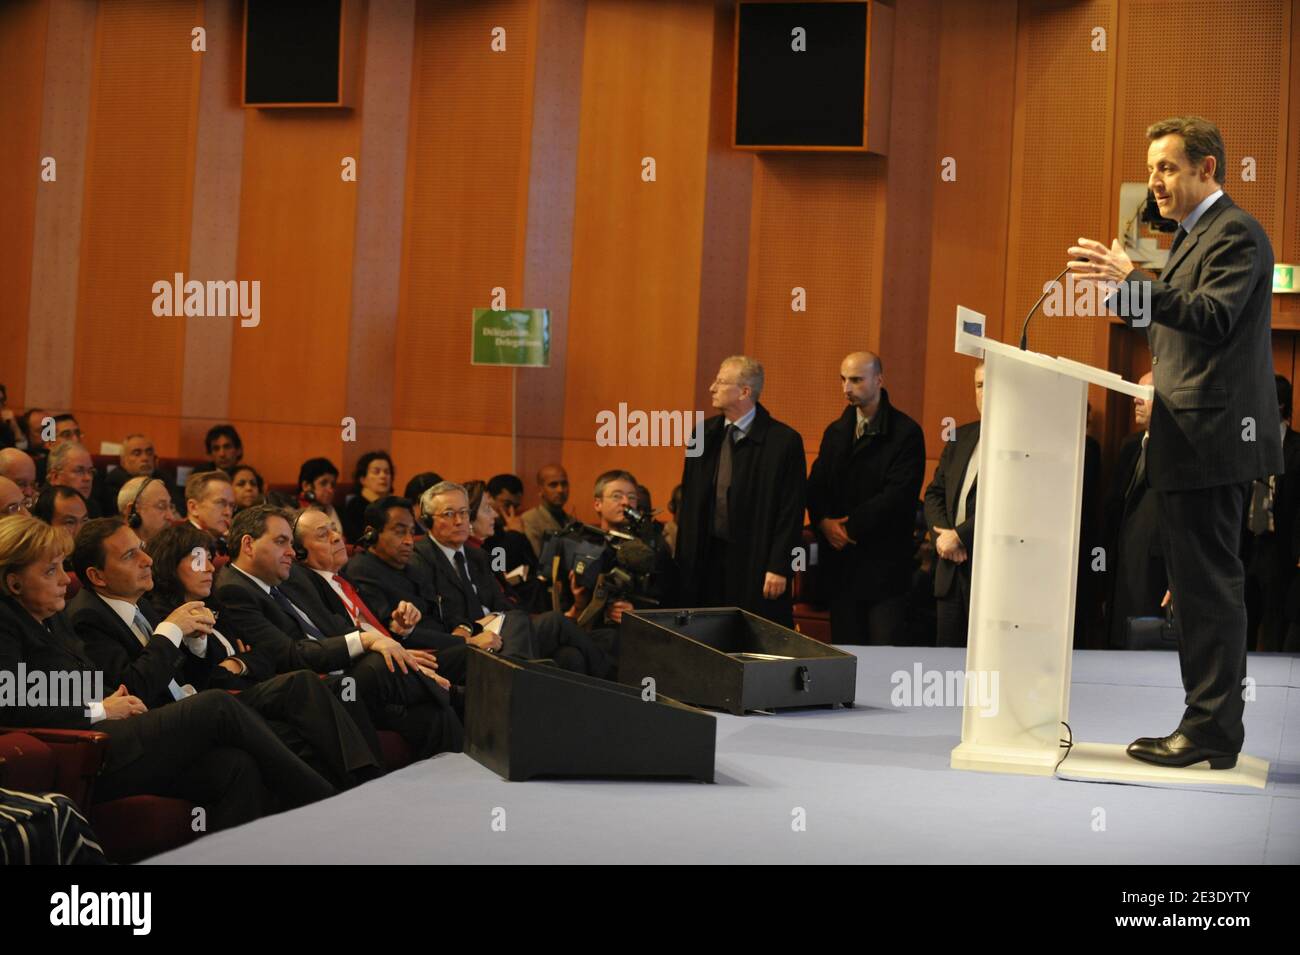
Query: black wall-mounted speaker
[[293, 53]]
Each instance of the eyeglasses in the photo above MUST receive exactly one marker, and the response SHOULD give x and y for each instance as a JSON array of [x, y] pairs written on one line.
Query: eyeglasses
[[618, 496], [14, 508], [82, 472], [460, 514], [719, 383]]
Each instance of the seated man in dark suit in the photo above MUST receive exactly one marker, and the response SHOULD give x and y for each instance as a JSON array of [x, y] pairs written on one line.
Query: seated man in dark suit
[[1136, 568], [379, 583], [210, 504], [469, 591], [19, 467], [136, 459], [61, 507], [509, 534], [208, 748], [11, 498], [146, 504], [71, 466], [225, 447], [950, 514], [135, 647], [398, 686]]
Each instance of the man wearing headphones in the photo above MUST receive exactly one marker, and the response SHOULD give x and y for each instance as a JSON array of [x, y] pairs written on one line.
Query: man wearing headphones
[[146, 504]]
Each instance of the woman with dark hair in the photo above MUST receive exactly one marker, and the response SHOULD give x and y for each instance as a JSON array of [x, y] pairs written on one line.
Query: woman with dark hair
[[299, 706], [374, 476], [482, 525], [415, 489], [317, 481], [207, 748], [248, 486]]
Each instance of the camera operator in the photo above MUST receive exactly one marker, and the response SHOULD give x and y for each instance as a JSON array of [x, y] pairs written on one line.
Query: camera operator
[[641, 570]]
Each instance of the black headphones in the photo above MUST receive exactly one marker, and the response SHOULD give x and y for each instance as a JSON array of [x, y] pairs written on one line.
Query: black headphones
[[134, 520], [368, 538], [300, 552]]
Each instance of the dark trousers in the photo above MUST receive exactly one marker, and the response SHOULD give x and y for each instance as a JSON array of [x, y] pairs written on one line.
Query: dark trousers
[[213, 751], [870, 623], [409, 704], [559, 638], [1207, 581], [719, 587], [311, 721], [952, 611]]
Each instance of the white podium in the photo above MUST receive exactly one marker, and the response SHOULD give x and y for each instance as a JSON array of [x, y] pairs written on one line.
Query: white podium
[[1026, 557]]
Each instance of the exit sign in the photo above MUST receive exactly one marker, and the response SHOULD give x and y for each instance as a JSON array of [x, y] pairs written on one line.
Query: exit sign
[[1284, 278]]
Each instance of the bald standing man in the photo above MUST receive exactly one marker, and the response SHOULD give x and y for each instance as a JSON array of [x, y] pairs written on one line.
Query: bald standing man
[[862, 499]]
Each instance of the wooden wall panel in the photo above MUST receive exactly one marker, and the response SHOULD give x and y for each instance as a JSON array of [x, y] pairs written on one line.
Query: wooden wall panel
[[1286, 308], [56, 236], [466, 200], [818, 224], [214, 230], [637, 245], [136, 220], [552, 185], [968, 258], [23, 28], [372, 332], [1059, 75], [297, 228], [909, 201]]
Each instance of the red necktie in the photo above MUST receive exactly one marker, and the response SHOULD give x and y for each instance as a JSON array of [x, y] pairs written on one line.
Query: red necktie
[[357, 607]]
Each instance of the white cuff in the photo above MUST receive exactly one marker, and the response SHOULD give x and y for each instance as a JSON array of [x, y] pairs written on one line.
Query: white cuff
[[197, 644], [170, 631], [96, 711], [355, 646]]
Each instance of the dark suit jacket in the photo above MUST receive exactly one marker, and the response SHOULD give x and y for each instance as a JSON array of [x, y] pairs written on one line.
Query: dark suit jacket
[[766, 507], [1212, 356], [435, 568], [941, 503], [875, 482], [252, 615], [23, 640], [383, 587], [146, 670]]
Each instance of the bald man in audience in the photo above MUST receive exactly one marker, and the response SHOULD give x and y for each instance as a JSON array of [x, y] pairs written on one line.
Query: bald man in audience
[[549, 515], [136, 459], [19, 467], [150, 498], [71, 466], [11, 499]]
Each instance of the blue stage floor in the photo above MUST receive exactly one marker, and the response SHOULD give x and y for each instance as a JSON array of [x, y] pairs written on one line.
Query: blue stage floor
[[873, 782]]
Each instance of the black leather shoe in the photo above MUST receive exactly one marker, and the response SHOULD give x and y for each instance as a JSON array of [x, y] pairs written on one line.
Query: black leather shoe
[[1177, 750]]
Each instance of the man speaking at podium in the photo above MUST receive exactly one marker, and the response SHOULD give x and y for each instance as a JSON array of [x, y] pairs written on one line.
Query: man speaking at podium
[[1214, 423]]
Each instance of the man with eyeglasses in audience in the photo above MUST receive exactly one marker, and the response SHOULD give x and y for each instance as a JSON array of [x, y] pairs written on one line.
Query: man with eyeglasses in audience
[[149, 498], [70, 465]]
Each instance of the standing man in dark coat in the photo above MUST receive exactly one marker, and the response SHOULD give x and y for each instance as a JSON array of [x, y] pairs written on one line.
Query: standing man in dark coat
[[1214, 424], [950, 515], [742, 502], [862, 495]]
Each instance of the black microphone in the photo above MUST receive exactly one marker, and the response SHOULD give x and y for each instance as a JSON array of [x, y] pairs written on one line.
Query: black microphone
[[1024, 329]]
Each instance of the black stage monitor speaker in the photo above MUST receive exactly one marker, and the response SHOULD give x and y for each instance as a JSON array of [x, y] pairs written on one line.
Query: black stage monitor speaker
[[524, 720], [732, 660], [300, 52], [813, 76]]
